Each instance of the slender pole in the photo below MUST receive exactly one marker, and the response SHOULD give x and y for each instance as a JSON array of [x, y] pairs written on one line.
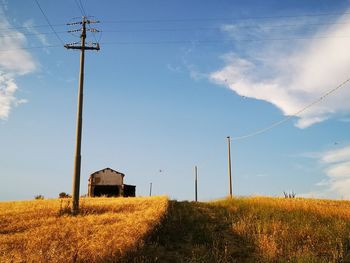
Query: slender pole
[[77, 162], [195, 183], [229, 164], [150, 189]]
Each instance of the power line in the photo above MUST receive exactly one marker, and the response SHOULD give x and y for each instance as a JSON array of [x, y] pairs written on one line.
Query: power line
[[160, 42], [189, 19], [195, 19], [79, 7], [34, 26], [278, 123], [48, 21], [83, 13], [82, 7], [30, 34], [281, 26], [34, 47], [222, 19], [155, 42]]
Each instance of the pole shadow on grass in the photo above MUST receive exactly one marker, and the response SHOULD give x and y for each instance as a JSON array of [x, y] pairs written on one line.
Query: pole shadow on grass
[[193, 232]]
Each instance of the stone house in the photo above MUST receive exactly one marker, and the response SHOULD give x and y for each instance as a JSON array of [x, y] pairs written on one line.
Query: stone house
[[108, 182]]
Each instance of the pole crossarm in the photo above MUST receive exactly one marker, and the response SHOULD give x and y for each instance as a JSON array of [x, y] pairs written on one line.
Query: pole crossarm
[[83, 30], [68, 46]]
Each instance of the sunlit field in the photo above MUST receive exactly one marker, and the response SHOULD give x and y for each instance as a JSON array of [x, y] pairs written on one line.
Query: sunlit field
[[252, 229], [43, 231], [296, 230]]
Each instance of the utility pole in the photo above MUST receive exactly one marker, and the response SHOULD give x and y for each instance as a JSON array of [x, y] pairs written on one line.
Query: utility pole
[[82, 47], [229, 164], [195, 183], [150, 189]]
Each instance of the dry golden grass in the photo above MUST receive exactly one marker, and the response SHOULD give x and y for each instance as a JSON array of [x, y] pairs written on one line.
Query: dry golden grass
[[107, 228], [255, 229], [296, 230]]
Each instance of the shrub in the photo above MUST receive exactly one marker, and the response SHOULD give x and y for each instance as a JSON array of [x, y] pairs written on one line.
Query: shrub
[[64, 195], [289, 195], [39, 197]]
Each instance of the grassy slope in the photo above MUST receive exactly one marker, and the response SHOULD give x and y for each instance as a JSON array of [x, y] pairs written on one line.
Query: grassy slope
[[251, 230], [153, 230], [42, 231], [195, 232]]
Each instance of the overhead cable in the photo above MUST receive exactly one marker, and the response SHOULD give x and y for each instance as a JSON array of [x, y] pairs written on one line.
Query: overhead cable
[[296, 114], [48, 22]]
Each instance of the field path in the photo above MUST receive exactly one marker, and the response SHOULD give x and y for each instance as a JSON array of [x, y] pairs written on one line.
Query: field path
[[194, 232]]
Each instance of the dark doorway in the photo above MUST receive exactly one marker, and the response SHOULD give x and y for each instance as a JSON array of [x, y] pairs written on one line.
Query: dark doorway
[[107, 190], [129, 190]]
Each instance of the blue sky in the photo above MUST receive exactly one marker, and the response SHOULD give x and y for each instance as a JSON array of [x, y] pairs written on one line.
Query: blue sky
[[171, 81]]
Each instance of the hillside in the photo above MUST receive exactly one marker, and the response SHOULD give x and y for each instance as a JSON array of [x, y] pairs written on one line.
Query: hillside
[[252, 230], [157, 230], [42, 230]]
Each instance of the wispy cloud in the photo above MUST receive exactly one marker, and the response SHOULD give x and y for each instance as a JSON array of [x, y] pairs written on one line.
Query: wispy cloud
[[290, 74], [338, 170], [336, 167], [345, 119], [7, 99], [29, 26], [4, 5], [13, 62], [172, 68], [195, 74], [335, 156]]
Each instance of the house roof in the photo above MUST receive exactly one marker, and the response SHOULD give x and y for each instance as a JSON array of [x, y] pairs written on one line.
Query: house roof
[[107, 169], [130, 185]]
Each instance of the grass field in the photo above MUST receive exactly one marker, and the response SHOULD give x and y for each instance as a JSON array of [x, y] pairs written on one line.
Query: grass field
[[154, 229], [42, 230]]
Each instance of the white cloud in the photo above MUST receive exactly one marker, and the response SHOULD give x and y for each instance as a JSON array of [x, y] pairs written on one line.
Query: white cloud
[[29, 26], [290, 74], [339, 155], [341, 187], [12, 58], [7, 90], [337, 169], [323, 182], [13, 62], [345, 119], [341, 170], [173, 68]]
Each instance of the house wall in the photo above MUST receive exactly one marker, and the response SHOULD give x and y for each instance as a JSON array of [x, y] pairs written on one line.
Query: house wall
[[107, 177]]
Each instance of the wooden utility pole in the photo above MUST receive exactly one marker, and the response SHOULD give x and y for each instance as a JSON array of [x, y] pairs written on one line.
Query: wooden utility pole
[[150, 189], [77, 161], [195, 183], [229, 164]]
